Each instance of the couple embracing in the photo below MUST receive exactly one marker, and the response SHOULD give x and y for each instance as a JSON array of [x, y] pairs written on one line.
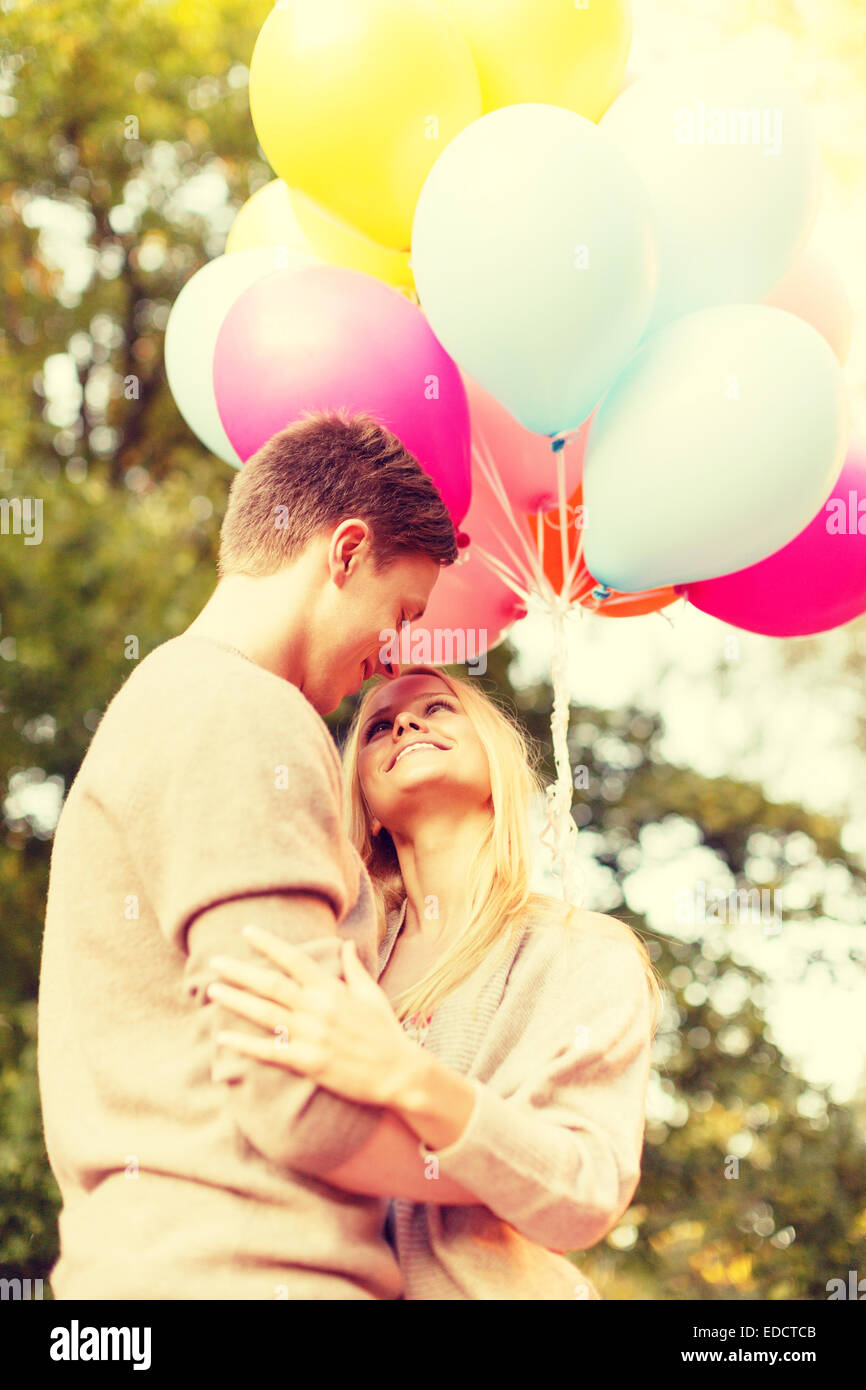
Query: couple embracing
[[305, 1032]]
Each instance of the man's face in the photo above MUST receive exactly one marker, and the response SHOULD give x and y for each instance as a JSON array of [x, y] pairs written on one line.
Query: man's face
[[361, 606]]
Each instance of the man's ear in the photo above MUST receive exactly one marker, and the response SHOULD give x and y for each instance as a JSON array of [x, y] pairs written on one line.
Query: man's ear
[[350, 540]]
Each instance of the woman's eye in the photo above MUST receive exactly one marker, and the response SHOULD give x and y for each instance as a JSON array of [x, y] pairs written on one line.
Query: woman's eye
[[431, 705]]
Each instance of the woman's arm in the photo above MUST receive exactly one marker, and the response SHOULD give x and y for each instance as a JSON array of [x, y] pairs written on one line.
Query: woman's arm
[[390, 1164], [558, 1156]]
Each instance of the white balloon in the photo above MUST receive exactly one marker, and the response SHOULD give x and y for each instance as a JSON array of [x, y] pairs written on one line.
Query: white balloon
[[196, 318]]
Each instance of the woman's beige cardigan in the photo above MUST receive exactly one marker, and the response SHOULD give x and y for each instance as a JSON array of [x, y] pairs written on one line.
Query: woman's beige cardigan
[[556, 1040]]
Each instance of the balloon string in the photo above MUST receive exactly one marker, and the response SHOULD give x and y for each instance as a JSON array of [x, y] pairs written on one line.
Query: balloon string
[[559, 822], [576, 562], [559, 833], [565, 436], [539, 536], [563, 522], [558, 796], [529, 569], [504, 573], [584, 588], [521, 575]]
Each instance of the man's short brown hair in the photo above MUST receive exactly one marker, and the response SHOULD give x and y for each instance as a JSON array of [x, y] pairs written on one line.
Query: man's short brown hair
[[321, 470]]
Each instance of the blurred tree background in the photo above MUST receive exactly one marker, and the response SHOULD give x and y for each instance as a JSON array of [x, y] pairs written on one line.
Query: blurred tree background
[[127, 148]]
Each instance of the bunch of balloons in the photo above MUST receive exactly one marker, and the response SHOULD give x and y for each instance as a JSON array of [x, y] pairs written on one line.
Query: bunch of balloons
[[584, 300]]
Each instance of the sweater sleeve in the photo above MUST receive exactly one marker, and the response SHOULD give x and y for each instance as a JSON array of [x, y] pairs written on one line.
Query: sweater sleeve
[[285, 1116], [557, 1155], [239, 821]]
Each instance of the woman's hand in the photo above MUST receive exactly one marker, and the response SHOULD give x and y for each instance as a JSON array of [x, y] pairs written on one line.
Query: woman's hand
[[343, 1033]]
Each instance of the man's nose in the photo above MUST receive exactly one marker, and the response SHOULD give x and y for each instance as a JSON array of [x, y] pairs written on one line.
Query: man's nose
[[386, 668]]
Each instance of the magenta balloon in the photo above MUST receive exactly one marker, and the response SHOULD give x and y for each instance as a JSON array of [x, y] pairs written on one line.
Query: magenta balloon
[[814, 583], [326, 337]]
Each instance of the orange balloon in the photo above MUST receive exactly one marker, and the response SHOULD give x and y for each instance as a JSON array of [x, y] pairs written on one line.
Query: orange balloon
[[547, 536], [633, 605]]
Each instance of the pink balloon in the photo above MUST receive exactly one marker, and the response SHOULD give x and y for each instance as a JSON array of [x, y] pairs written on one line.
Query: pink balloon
[[468, 597], [469, 603], [813, 290], [524, 460], [325, 337], [814, 583]]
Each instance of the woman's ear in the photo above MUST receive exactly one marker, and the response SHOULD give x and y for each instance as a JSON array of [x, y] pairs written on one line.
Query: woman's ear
[[375, 826]]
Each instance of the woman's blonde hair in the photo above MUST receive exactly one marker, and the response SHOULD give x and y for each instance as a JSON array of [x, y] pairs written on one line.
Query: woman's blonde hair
[[498, 881]]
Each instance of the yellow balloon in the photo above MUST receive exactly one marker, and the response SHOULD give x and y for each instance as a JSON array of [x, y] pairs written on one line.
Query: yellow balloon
[[354, 100], [268, 219], [336, 243], [277, 215], [563, 52]]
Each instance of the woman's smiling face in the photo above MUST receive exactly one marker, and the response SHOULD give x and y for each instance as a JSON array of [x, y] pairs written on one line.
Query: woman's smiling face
[[416, 736]]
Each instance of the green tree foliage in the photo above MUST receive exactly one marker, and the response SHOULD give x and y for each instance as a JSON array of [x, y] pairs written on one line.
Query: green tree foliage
[[127, 146]]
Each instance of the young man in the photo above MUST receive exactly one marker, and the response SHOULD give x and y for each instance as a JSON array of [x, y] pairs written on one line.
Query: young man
[[209, 798]]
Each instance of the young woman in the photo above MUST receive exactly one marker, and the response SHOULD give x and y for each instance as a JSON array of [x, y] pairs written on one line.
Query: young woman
[[530, 1022]]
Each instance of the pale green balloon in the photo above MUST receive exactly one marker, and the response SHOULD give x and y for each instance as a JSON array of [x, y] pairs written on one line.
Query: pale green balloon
[[731, 162], [716, 446], [534, 262]]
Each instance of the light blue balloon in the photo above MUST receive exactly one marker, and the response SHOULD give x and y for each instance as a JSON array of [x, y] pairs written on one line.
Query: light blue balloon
[[534, 261], [194, 323], [716, 446], [731, 162]]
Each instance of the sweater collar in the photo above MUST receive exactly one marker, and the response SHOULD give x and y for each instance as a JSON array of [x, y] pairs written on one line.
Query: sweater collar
[[395, 919]]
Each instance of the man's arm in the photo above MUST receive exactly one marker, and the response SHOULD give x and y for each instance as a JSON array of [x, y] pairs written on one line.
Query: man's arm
[[284, 1115], [358, 1148]]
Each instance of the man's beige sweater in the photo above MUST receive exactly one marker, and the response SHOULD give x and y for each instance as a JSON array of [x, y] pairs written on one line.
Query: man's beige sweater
[[187, 1171]]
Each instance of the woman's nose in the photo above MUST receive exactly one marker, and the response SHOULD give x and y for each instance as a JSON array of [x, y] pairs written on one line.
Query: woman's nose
[[406, 720]]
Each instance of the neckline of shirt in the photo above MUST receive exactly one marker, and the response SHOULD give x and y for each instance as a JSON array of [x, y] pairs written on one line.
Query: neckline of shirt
[[226, 647], [392, 931]]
